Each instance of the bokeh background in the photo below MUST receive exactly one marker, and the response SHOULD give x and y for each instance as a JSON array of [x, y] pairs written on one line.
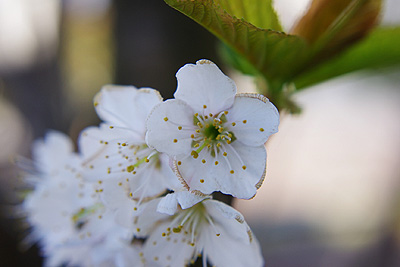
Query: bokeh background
[[331, 196]]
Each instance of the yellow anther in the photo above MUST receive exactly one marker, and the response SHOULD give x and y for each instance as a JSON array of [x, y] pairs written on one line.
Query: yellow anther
[[220, 130], [204, 106], [100, 181], [147, 160], [137, 229], [130, 194], [107, 156], [233, 123], [196, 145], [166, 119], [96, 104], [106, 143], [120, 184], [163, 234], [179, 127], [219, 144], [226, 112], [134, 208], [196, 114], [199, 124], [175, 140], [210, 114], [244, 167], [218, 234], [111, 127], [225, 154], [192, 136], [179, 162], [156, 258], [203, 160], [228, 141], [91, 166], [205, 117], [216, 162], [261, 129], [101, 141], [130, 168], [244, 121], [230, 135], [134, 172], [100, 216], [123, 144], [232, 171], [197, 131], [194, 154], [201, 180]]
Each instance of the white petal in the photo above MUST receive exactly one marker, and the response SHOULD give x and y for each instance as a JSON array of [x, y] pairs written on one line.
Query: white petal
[[168, 204], [125, 106], [148, 217], [52, 152], [255, 119], [229, 252], [173, 250], [164, 132], [209, 177], [234, 245], [187, 199], [205, 84]]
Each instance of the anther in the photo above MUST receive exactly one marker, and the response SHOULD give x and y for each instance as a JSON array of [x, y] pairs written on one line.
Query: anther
[[179, 127], [216, 162], [244, 167], [232, 171], [225, 154], [233, 123], [201, 180], [175, 140], [244, 121], [204, 106], [179, 162], [194, 154], [203, 160], [261, 129], [166, 119]]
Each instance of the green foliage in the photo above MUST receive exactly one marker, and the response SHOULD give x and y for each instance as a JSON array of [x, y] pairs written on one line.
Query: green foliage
[[326, 44], [380, 49]]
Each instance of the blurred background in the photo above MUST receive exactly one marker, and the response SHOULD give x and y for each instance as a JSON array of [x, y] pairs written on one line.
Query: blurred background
[[331, 196]]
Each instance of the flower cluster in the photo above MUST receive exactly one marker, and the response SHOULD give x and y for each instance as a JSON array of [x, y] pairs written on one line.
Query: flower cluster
[[139, 191]]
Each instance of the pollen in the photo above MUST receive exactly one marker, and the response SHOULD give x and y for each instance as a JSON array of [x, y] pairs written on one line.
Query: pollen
[[175, 140], [111, 127], [179, 162], [203, 160], [204, 106], [130, 194], [244, 121], [216, 162], [163, 234], [179, 127], [192, 136], [261, 129], [201, 180], [130, 168], [226, 112], [194, 154], [166, 119], [225, 154], [147, 160], [218, 234], [123, 144], [137, 229], [232, 171], [233, 123], [244, 167]]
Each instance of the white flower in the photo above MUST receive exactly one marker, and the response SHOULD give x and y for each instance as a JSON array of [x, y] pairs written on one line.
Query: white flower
[[116, 152], [215, 136], [67, 217], [210, 229]]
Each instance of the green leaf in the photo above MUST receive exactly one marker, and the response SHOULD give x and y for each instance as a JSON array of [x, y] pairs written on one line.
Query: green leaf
[[276, 55], [260, 13], [380, 49]]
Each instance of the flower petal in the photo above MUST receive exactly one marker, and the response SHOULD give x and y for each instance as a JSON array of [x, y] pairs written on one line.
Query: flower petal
[[254, 119], [239, 173], [169, 127], [168, 204], [52, 152], [125, 106], [205, 84]]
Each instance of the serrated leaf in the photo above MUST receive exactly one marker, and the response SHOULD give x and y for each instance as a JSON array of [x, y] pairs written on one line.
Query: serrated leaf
[[260, 13], [270, 52], [380, 49]]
